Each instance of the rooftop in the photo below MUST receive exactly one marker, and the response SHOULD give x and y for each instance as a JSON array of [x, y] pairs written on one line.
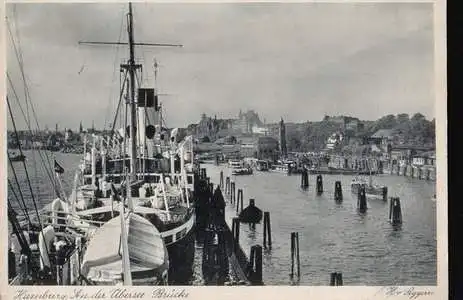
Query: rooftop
[[383, 133]]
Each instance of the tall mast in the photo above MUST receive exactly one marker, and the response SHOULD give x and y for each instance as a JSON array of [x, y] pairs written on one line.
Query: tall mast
[[133, 108]]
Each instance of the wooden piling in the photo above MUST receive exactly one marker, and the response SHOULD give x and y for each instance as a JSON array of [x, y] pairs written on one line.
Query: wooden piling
[[211, 187], [208, 180], [337, 191], [319, 184], [236, 233], [267, 231], [304, 179], [239, 200], [395, 211], [362, 200], [221, 180], [233, 192], [385, 193], [227, 185], [295, 262], [255, 262], [336, 279], [333, 279]]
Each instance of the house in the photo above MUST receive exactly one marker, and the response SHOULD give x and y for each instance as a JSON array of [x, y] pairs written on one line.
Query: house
[[267, 148], [382, 138], [424, 158], [334, 140]]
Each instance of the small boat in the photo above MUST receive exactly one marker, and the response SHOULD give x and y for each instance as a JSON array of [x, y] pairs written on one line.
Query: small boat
[[262, 165], [239, 168], [287, 167], [371, 190]]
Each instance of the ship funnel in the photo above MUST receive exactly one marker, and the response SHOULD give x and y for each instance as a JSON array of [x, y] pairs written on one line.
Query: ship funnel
[[148, 118]]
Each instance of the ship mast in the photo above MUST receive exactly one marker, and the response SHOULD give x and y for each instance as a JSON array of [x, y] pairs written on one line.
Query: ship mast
[[131, 68], [133, 109]]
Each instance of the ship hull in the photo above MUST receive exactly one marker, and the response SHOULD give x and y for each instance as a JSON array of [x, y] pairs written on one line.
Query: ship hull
[[181, 259]]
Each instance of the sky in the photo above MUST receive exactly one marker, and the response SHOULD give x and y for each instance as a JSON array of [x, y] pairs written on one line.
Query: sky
[[299, 61]]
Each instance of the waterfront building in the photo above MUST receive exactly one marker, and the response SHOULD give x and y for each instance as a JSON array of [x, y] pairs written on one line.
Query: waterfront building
[[382, 138]]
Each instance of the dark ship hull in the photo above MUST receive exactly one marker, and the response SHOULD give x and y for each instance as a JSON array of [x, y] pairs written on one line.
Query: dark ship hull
[[181, 259]]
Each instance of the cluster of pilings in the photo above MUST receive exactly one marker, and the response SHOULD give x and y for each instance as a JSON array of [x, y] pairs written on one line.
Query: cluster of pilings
[[251, 215], [419, 172]]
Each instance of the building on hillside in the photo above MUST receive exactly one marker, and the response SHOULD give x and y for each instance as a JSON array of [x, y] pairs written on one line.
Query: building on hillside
[[334, 140], [267, 148], [383, 138], [424, 158]]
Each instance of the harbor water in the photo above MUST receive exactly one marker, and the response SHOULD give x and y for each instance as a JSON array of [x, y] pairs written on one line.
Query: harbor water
[[333, 237]]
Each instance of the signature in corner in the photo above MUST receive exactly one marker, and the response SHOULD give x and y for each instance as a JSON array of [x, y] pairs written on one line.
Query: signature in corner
[[411, 292]]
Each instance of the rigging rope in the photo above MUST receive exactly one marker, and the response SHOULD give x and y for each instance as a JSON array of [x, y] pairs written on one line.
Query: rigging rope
[[22, 206], [47, 168], [21, 67], [27, 173], [114, 72]]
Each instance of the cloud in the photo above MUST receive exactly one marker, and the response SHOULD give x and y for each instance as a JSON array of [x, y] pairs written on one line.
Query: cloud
[[297, 60]]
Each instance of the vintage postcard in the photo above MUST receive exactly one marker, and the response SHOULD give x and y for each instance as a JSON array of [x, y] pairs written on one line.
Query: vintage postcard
[[201, 150]]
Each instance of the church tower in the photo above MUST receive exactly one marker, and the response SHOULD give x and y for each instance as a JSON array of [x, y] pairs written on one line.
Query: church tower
[[283, 150]]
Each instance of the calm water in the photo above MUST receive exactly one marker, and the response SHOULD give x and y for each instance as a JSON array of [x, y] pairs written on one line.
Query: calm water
[[333, 237]]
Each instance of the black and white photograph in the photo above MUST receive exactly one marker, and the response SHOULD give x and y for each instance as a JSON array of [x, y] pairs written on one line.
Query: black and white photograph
[[221, 144]]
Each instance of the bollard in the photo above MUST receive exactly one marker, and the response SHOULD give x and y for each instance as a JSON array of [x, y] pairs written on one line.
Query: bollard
[[267, 231], [227, 185], [337, 191], [239, 198], [295, 262], [304, 179], [236, 233], [319, 184], [385, 193], [395, 211], [362, 199], [233, 192], [221, 180], [256, 265], [333, 279], [336, 279]]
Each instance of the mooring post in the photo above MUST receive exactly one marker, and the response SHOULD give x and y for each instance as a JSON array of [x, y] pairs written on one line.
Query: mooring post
[[395, 211], [227, 185], [304, 179], [233, 192], [362, 200], [333, 279], [267, 231], [319, 184], [385, 193], [236, 233], [292, 253], [256, 257], [295, 262], [221, 180], [339, 279], [239, 198], [337, 191]]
